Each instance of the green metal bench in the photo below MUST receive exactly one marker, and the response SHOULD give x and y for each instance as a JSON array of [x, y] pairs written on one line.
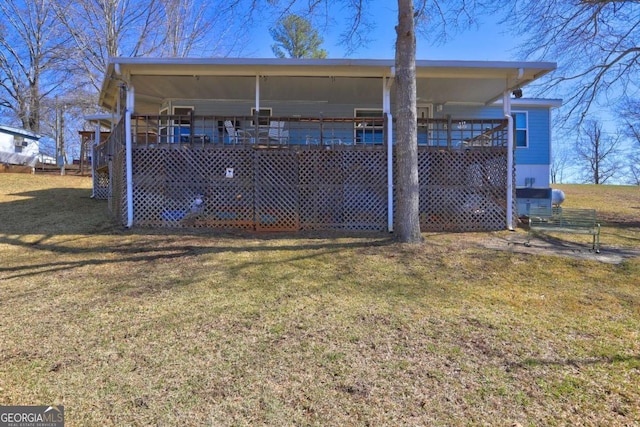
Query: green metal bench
[[565, 220]]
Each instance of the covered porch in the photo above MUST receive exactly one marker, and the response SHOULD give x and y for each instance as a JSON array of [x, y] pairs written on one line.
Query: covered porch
[[291, 145]]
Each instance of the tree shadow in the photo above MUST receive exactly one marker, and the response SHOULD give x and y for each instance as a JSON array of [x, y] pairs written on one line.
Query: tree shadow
[[58, 211], [602, 360], [63, 221]]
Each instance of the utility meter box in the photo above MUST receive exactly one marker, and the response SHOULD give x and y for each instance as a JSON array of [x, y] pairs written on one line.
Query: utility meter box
[[526, 198]]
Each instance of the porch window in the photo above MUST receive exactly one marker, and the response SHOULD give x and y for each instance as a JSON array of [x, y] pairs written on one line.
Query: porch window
[[264, 115], [369, 131], [520, 131], [179, 125], [424, 127], [182, 122]]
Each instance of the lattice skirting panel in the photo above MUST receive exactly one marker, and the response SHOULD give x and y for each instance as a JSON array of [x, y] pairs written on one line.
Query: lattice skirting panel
[[463, 190], [307, 189], [101, 186], [343, 190], [118, 196]]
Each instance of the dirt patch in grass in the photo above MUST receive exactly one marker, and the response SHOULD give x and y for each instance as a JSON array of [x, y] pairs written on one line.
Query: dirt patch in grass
[[547, 245]]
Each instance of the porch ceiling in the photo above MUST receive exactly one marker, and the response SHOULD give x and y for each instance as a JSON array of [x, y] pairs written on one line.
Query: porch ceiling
[[331, 81]]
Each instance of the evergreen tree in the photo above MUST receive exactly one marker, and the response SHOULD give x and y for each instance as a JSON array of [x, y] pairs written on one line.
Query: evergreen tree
[[296, 37]]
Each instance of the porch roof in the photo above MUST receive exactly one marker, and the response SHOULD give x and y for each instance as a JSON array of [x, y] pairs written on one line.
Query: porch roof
[[438, 82]]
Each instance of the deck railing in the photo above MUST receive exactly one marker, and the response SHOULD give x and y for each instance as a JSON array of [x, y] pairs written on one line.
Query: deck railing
[[106, 150], [154, 131]]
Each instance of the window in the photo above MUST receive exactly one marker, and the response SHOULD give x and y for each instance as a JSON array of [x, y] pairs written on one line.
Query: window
[[172, 130], [163, 125], [520, 131], [182, 123], [264, 114], [369, 131], [424, 127]]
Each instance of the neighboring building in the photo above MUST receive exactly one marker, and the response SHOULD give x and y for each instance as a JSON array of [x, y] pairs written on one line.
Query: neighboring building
[[273, 144], [18, 146]]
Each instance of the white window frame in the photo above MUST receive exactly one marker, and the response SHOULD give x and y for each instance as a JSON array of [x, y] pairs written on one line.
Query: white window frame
[[379, 113], [262, 115], [170, 126], [429, 127], [516, 128]]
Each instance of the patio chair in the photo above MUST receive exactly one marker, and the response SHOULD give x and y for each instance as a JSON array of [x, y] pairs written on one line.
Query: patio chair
[[237, 135], [325, 141], [278, 133]]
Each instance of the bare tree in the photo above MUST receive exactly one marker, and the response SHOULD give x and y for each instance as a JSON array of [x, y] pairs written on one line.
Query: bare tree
[[205, 27], [32, 54], [559, 162], [406, 147], [598, 153], [597, 43], [101, 29], [633, 177], [632, 131]]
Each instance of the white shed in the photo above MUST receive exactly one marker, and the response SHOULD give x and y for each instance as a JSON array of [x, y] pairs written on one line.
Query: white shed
[[19, 146]]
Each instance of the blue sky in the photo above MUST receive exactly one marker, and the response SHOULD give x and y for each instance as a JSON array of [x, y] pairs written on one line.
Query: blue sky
[[486, 41]]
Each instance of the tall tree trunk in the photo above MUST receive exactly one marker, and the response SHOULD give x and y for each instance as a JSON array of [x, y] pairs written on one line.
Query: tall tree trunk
[[408, 214], [34, 106]]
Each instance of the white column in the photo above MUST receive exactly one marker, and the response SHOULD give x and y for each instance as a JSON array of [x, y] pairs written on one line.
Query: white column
[[257, 92], [506, 105], [128, 153], [96, 141], [387, 82]]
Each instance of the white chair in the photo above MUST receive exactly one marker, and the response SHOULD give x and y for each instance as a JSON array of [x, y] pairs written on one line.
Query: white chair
[[237, 135], [325, 141], [277, 132]]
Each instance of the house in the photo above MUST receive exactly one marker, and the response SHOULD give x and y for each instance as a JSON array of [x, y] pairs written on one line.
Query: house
[[290, 144], [18, 146]]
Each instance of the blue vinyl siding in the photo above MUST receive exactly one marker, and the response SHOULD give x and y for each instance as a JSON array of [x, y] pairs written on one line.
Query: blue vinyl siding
[[538, 151]]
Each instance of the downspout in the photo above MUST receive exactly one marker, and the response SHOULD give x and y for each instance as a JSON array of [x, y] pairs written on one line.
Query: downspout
[[507, 115], [129, 155], [258, 92], [386, 107], [96, 142], [256, 114]]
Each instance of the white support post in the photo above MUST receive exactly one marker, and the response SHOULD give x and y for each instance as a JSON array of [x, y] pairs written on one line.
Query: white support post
[[96, 142], [128, 154], [387, 82], [258, 93], [506, 105]]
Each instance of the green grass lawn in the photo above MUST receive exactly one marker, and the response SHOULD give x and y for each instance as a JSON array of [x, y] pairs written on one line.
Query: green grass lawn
[[143, 327]]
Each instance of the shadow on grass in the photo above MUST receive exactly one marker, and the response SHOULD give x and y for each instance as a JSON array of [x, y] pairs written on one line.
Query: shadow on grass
[[58, 211], [529, 363], [48, 216], [167, 249]]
